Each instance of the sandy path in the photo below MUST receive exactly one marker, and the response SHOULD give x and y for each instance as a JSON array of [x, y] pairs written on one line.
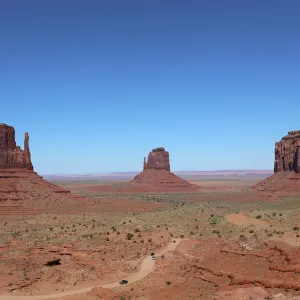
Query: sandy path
[[147, 266]]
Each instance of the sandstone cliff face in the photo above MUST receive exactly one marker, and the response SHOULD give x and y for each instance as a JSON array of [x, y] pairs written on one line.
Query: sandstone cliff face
[[158, 159], [11, 155], [287, 153]]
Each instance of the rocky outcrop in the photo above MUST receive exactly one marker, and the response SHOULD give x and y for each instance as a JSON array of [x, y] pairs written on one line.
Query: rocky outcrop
[[287, 153], [158, 159], [286, 178], [11, 155], [22, 190], [156, 175]]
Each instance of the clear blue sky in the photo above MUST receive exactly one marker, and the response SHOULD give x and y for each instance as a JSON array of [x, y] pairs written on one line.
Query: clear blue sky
[[98, 84]]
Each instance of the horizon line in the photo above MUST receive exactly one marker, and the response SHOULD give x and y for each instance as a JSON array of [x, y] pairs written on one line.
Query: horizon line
[[127, 172]]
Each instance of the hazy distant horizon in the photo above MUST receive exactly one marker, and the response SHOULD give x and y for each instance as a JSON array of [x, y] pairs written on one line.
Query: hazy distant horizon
[[243, 171]]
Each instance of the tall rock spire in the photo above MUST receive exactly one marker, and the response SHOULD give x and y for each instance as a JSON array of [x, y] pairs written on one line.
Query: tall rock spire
[[11, 155]]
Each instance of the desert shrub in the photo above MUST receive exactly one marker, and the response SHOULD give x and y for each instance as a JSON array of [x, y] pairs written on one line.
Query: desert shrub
[[118, 232], [251, 231], [168, 282], [242, 237], [174, 241], [258, 217], [129, 236], [191, 233], [158, 226], [107, 239], [10, 284], [295, 228], [197, 227], [274, 214], [149, 240], [182, 236], [171, 234], [142, 241], [108, 233], [136, 230]]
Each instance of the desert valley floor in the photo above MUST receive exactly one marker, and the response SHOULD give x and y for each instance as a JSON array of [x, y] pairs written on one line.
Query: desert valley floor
[[223, 241]]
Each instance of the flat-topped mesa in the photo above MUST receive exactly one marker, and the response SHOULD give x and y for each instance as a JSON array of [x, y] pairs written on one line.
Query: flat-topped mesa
[[287, 153], [11, 155], [158, 159]]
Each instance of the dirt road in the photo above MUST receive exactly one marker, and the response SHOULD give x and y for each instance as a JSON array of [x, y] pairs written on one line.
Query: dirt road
[[147, 266]]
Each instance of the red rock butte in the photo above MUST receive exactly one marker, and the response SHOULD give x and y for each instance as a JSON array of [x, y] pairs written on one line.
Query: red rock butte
[[21, 188], [286, 178], [156, 173]]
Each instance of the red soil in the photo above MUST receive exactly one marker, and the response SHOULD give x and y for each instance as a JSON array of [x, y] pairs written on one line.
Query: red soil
[[229, 266]]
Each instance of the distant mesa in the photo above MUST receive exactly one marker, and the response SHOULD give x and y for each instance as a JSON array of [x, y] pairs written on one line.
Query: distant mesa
[[286, 178], [20, 187], [157, 175]]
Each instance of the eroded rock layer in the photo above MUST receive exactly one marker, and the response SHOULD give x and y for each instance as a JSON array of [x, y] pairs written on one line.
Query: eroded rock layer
[[158, 159], [287, 153], [11, 155], [286, 178], [156, 173]]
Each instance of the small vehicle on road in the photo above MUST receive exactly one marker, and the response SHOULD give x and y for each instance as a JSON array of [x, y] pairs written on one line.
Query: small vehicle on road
[[123, 281], [153, 257]]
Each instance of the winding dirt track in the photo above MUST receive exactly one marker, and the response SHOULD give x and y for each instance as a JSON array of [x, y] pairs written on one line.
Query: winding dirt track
[[146, 267]]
